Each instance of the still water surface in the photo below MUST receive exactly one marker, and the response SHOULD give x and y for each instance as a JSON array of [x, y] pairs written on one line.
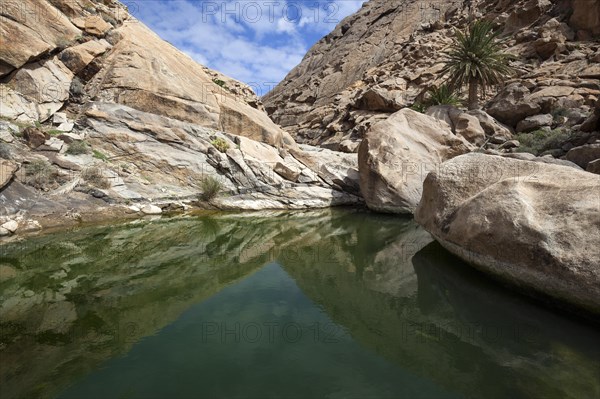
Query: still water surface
[[332, 304]]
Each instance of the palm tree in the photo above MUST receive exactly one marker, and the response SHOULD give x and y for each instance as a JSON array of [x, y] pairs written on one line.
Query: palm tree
[[476, 59]]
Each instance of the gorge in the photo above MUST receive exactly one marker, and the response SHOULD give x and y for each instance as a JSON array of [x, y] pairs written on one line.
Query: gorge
[[412, 246]]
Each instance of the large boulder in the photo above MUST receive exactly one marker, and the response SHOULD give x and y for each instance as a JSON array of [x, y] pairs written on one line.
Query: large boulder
[[513, 104], [461, 123], [586, 16], [583, 155], [533, 225], [396, 156], [532, 123]]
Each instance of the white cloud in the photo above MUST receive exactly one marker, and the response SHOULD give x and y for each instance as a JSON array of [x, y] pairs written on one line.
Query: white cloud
[[255, 42]]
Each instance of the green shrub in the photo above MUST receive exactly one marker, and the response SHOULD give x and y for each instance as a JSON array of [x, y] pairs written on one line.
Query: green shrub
[[94, 176], [419, 107], [54, 132], [107, 18], [78, 148], [99, 155], [5, 152], [77, 87], [443, 95], [210, 188], [220, 144], [40, 174], [541, 140], [220, 83]]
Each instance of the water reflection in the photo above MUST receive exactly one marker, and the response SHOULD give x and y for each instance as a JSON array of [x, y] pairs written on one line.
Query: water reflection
[[406, 318]]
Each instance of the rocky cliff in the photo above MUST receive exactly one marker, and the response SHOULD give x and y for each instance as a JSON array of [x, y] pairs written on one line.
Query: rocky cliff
[[390, 53], [99, 112]]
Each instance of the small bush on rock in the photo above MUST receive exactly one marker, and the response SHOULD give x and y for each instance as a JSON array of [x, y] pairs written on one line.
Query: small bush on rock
[[41, 175], [5, 152], [78, 148], [220, 144], [210, 188], [443, 95], [94, 176], [541, 140]]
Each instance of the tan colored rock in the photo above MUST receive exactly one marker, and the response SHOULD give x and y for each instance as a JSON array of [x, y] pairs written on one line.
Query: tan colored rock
[[583, 155], [513, 104], [44, 84], [7, 171], [586, 16], [396, 156], [33, 28], [533, 225], [532, 123], [78, 57], [594, 167], [34, 137], [93, 24], [289, 172], [498, 132], [150, 75]]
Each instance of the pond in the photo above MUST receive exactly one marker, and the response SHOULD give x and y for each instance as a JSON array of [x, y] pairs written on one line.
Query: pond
[[328, 304]]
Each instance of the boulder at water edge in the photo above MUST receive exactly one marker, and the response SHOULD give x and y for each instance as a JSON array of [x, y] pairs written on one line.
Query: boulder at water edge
[[534, 225], [398, 153]]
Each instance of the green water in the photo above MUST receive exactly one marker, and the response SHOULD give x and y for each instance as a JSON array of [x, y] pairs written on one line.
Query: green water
[[332, 304]]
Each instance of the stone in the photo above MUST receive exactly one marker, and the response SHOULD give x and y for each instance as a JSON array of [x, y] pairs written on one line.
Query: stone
[[377, 99], [287, 172], [396, 156], [59, 118], [594, 167], [78, 57], [31, 40], [583, 155], [461, 123], [500, 215], [349, 146], [66, 127], [468, 126], [93, 24], [586, 16], [34, 137], [53, 144], [492, 128], [4, 232], [512, 105], [11, 226], [6, 136], [510, 144], [536, 122], [151, 210], [44, 84], [7, 171]]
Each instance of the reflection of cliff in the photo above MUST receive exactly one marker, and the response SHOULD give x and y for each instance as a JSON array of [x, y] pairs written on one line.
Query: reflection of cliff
[[69, 303], [458, 329]]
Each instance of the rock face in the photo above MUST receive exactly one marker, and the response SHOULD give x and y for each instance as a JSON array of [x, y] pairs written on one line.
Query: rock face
[[396, 156], [389, 54], [111, 114], [533, 225]]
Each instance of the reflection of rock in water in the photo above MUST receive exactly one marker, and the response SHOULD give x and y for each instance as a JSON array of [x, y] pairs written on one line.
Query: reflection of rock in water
[[461, 331], [76, 300]]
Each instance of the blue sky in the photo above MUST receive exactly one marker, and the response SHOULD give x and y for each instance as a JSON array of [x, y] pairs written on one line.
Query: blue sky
[[257, 42]]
